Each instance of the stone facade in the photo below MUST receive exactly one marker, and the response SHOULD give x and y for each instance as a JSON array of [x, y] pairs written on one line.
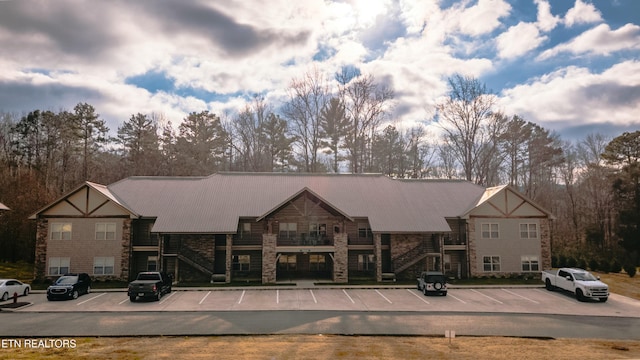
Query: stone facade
[[545, 244], [341, 258], [228, 258], [42, 233], [377, 251], [269, 264], [472, 238], [126, 249]]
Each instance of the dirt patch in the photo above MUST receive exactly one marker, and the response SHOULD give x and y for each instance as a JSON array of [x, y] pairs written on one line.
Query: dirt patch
[[331, 347]]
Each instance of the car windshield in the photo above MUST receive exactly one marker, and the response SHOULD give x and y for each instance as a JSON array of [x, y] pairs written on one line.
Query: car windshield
[[585, 277], [67, 280]]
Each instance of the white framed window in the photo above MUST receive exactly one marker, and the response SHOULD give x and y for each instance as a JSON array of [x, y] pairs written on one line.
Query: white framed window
[[317, 230], [528, 231], [288, 230], [287, 262], [103, 265], [59, 265], [490, 231], [241, 262], [530, 263], [61, 231], [317, 262], [366, 262], [105, 231], [491, 263], [364, 230], [152, 263]]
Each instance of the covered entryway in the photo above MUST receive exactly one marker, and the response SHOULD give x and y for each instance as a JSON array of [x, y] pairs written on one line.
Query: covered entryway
[[304, 265]]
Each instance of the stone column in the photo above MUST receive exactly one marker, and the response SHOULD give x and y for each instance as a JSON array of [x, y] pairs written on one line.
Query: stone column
[[377, 251], [545, 244], [42, 233], [471, 245], [228, 259], [269, 258], [125, 253], [341, 258]]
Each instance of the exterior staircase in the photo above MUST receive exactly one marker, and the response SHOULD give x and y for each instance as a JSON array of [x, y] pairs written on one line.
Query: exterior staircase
[[196, 260], [404, 261]]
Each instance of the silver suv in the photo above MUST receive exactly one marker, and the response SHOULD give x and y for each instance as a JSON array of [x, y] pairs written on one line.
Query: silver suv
[[432, 282]]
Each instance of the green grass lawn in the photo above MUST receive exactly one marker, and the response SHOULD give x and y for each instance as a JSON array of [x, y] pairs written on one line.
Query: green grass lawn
[[21, 270]]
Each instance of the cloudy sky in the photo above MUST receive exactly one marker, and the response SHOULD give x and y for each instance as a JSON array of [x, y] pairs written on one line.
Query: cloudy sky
[[572, 66]]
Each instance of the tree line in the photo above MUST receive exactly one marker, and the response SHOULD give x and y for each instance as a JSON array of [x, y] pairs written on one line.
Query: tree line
[[339, 124]]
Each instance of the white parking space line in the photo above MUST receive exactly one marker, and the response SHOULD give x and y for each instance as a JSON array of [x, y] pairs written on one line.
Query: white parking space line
[[313, 296], [345, 292], [241, 296], [384, 297], [204, 298], [449, 294], [518, 295], [487, 296], [416, 295], [556, 295], [277, 296], [167, 297], [124, 301], [95, 297]]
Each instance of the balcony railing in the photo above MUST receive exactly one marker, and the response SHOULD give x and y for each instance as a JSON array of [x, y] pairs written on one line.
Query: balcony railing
[[305, 240], [455, 240]]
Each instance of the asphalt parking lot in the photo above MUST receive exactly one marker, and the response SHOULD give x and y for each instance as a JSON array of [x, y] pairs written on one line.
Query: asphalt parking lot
[[491, 300]]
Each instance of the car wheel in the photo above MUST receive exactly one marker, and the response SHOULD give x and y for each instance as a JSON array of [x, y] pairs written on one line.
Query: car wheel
[[75, 294], [5, 296], [547, 285], [418, 286], [159, 296], [88, 289], [132, 298], [604, 299], [49, 298], [424, 290], [444, 293], [26, 292], [579, 295]]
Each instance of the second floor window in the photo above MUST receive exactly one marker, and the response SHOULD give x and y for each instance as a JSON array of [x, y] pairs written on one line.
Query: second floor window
[[490, 231], [364, 231], [528, 231], [244, 231], [288, 230], [105, 231], [61, 231]]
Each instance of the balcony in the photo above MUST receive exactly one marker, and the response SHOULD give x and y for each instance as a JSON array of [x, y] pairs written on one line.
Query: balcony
[[455, 242], [305, 240]]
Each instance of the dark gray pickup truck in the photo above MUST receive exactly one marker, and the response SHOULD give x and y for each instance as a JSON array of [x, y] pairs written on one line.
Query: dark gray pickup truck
[[149, 284]]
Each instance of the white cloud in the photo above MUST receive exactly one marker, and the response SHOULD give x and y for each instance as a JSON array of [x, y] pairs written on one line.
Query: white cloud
[[478, 19], [546, 20], [600, 40], [582, 13], [576, 95], [519, 40]]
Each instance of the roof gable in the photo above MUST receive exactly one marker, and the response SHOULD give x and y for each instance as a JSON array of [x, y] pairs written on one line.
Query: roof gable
[[505, 201], [86, 200], [305, 192]]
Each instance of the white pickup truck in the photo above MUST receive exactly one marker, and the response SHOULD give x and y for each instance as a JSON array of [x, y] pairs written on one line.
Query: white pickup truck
[[578, 281]]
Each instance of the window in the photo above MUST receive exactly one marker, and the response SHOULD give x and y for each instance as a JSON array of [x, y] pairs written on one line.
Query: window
[[364, 230], [105, 231], [61, 231], [490, 231], [528, 231], [530, 263], [288, 230], [317, 262], [447, 262], [152, 263], [491, 263], [241, 262], [366, 262], [58, 265], [103, 265], [317, 231], [287, 262], [244, 230]]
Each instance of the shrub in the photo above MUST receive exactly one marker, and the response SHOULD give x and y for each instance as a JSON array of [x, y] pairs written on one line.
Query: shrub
[[562, 261], [554, 261], [571, 262], [616, 267], [581, 263], [605, 266], [630, 269], [594, 265]]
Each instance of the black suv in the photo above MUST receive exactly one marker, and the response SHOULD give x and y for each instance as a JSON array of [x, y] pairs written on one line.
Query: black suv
[[69, 286], [432, 282]]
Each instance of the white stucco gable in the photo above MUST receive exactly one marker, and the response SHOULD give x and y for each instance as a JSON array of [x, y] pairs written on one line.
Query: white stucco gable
[[506, 202]]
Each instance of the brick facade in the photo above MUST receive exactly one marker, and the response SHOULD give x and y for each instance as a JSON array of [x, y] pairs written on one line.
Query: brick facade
[[269, 258]]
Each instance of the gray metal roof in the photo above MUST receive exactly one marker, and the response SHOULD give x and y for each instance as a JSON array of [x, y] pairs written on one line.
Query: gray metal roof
[[4, 207], [215, 203]]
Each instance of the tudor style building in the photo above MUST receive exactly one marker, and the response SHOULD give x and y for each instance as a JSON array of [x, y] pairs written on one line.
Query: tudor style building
[[275, 227]]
